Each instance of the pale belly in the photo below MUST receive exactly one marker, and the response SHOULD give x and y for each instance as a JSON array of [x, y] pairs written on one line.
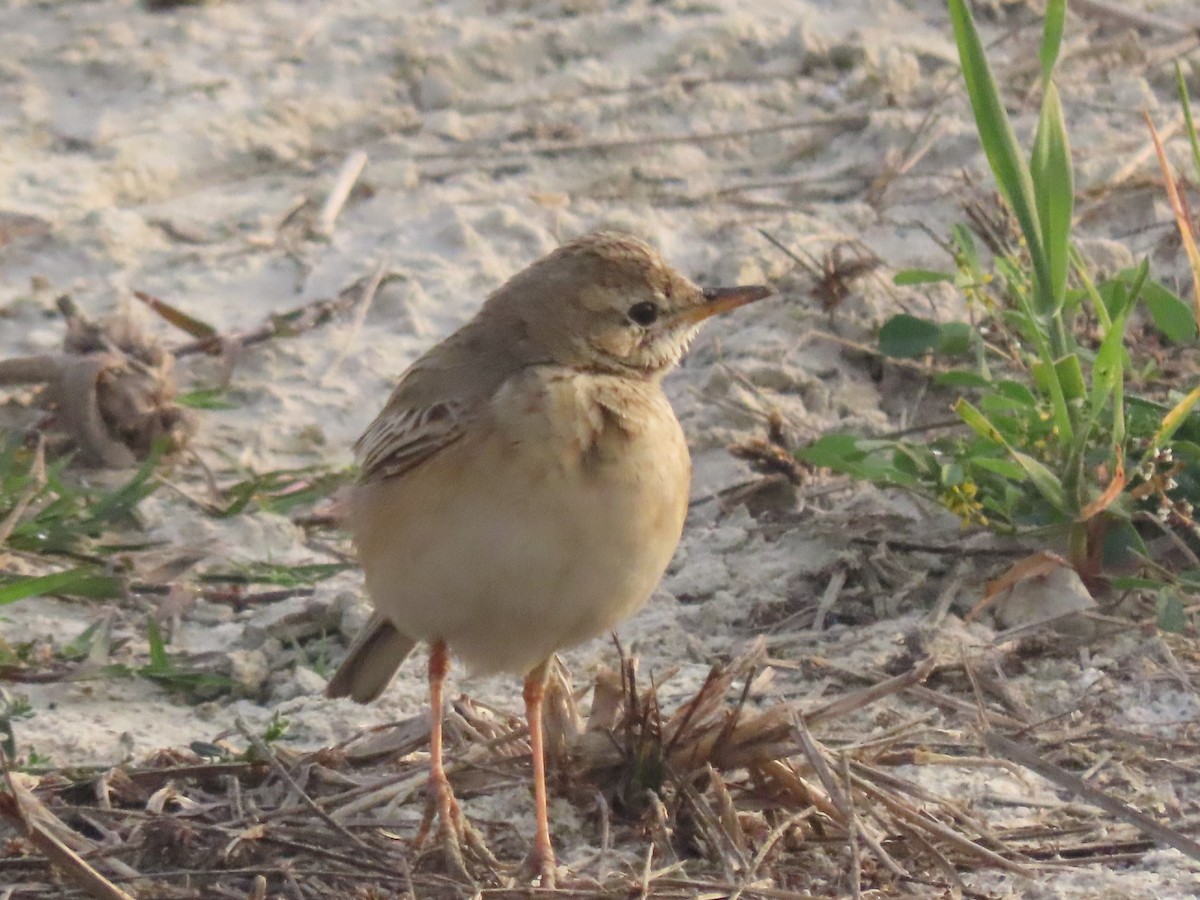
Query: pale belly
[[511, 548]]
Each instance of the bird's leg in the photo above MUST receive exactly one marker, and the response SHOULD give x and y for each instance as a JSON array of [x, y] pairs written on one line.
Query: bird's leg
[[449, 815], [541, 858]]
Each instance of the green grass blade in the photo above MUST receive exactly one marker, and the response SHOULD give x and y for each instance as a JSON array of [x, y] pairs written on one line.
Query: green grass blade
[[1186, 102], [1108, 370], [1048, 381], [1052, 32], [1000, 144], [124, 500], [1172, 420], [159, 660], [1089, 286], [1054, 188], [1108, 379], [81, 582]]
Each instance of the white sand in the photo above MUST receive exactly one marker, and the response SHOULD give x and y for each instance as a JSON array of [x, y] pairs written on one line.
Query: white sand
[[164, 150]]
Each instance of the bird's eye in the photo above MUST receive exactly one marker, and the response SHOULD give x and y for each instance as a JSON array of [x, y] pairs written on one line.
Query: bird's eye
[[644, 314]]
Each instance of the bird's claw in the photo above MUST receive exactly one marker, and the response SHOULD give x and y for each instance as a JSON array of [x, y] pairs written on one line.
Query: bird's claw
[[459, 839], [540, 864]]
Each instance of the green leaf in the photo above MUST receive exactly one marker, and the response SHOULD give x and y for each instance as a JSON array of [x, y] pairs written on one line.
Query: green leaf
[[206, 398], [1070, 376], [1052, 31], [1134, 583], [1171, 315], [907, 277], [906, 336], [961, 378], [80, 582], [831, 451], [1171, 616], [1044, 481], [1005, 468], [914, 459], [955, 339], [1115, 294], [1135, 279], [1054, 186], [965, 242], [1122, 546], [979, 423], [851, 456], [81, 646], [1016, 391], [1109, 366], [952, 474]]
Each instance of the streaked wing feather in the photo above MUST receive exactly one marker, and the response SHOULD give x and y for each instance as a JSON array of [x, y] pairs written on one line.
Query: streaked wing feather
[[402, 438]]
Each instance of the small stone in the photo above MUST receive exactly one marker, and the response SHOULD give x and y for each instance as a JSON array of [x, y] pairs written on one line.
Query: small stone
[[300, 682], [434, 91], [448, 124], [310, 680], [249, 671], [1055, 598], [211, 613]]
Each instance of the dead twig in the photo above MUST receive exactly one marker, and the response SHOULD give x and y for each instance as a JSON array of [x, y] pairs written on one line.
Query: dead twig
[[24, 812], [343, 184], [1027, 757]]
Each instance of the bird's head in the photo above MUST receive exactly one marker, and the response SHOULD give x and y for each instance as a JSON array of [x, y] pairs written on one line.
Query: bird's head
[[608, 302]]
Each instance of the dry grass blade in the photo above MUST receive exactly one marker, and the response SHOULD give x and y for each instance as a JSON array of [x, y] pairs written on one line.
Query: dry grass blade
[[360, 316], [187, 324], [736, 797], [264, 752], [352, 167], [294, 322], [842, 706], [38, 824], [839, 795], [1023, 755], [1182, 220]]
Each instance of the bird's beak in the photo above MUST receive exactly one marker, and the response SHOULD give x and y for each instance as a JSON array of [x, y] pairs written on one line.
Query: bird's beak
[[719, 300]]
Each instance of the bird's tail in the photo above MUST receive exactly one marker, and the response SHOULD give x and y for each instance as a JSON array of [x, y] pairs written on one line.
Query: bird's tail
[[373, 659]]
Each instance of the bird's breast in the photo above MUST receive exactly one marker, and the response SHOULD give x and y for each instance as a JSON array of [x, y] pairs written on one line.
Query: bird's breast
[[599, 429]]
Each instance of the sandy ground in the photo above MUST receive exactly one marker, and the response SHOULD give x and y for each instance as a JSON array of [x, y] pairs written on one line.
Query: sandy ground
[[171, 152]]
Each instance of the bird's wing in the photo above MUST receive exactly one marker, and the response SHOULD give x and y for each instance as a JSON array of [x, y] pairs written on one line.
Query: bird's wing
[[403, 436]]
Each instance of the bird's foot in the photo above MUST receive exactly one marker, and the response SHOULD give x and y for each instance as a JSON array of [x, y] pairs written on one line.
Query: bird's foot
[[540, 864], [459, 839]]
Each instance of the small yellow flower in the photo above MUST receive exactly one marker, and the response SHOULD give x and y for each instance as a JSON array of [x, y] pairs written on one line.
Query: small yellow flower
[[960, 500]]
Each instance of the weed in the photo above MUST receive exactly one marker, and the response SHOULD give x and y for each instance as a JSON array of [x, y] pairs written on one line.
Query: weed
[[1050, 434], [12, 708]]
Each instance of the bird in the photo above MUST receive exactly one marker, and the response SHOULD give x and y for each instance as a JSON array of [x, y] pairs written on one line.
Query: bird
[[525, 486]]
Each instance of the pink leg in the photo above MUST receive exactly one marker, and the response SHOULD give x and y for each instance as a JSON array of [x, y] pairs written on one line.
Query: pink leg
[[449, 815], [542, 857]]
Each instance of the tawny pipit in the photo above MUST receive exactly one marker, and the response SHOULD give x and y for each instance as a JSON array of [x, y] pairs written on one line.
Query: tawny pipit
[[526, 484]]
